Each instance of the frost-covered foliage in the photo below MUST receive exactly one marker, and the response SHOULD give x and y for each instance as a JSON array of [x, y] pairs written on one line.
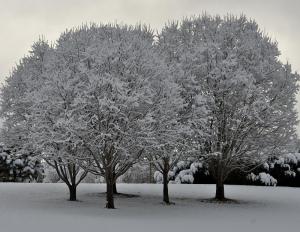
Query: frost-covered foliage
[[249, 94], [184, 172], [185, 177], [262, 178], [26, 77], [159, 179], [285, 169], [17, 166], [105, 96], [101, 85]]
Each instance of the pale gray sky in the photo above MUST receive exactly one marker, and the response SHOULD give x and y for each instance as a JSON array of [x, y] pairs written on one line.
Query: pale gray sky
[[23, 21]]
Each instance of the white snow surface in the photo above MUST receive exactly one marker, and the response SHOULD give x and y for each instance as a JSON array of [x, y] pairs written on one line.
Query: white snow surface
[[44, 207]]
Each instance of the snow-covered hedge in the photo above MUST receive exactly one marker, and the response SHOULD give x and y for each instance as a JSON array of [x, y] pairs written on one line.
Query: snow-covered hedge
[[19, 167], [263, 179], [277, 171], [184, 172]]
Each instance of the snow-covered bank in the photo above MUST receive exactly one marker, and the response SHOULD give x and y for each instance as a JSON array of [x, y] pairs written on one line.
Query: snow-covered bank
[[44, 207]]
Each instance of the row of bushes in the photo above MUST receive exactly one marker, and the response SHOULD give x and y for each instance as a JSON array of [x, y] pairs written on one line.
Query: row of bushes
[[16, 166], [281, 171]]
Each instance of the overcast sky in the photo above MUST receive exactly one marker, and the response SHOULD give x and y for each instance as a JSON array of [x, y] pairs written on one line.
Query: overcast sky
[[23, 21]]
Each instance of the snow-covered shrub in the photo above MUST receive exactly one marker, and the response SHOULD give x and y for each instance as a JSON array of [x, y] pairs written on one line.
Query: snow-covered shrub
[[292, 158], [290, 173], [186, 171], [196, 166], [280, 171], [17, 166], [284, 169], [158, 177], [266, 166], [267, 179], [262, 179], [185, 177]]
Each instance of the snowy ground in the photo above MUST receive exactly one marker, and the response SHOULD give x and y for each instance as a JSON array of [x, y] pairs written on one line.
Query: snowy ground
[[43, 207]]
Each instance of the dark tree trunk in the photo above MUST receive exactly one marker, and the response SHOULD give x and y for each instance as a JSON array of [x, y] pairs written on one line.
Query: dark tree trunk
[[72, 191], [166, 169], [219, 177], [166, 189], [109, 190], [220, 190], [110, 196]]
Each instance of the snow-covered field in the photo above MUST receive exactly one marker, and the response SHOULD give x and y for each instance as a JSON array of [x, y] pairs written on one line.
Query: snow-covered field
[[44, 207]]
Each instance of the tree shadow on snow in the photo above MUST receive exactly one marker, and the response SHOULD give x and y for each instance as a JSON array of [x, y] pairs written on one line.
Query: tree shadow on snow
[[224, 201], [116, 195]]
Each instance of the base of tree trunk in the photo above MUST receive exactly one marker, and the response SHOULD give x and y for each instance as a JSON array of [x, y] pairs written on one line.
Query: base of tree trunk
[[220, 195], [166, 198], [169, 203], [221, 199], [72, 192], [109, 206], [109, 196]]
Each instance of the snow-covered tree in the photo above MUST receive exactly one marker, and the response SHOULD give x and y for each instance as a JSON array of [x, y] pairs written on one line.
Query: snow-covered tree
[[99, 93], [167, 128], [51, 108], [115, 99], [250, 94], [27, 76]]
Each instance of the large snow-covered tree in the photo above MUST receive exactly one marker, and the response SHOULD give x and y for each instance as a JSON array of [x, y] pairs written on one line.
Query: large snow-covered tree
[[112, 105], [250, 94], [20, 108], [52, 104], [100, 93]]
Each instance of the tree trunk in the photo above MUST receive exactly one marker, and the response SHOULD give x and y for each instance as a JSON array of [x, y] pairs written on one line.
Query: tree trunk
[[115, 188], [219, 177], [72, 191], [220, 189], [109, 190], [110, 196], [166, 190], [115, 185]]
